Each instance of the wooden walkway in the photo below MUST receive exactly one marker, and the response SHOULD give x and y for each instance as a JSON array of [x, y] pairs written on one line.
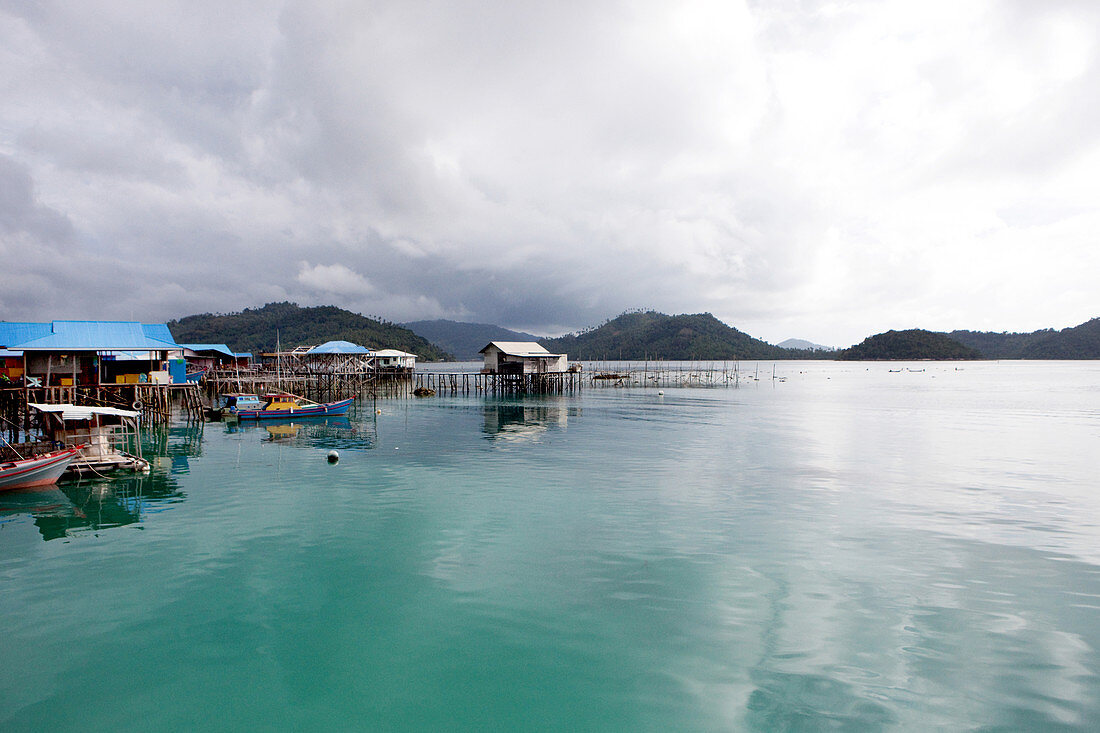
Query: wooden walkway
[[477, 383], [652, 375]]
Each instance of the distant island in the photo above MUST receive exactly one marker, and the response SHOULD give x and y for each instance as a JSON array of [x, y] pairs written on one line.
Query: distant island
[[634, 335], [651, 335], [1078, 342], [256, 330], [911, 345], [804, 345]]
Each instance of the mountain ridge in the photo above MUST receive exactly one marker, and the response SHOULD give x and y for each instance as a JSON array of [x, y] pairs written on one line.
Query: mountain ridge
[[910, 345], [1076, 342], [637, 335], [259, 329]]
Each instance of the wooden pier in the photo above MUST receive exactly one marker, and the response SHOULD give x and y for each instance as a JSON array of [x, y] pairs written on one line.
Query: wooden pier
[[154, 401], [320, 386], [652, 374], [477, 383]]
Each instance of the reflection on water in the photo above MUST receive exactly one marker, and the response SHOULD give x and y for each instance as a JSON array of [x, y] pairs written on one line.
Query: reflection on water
[[852, 549], [315, 432], [182, 439], [524, 420], [75, 506], [37, 502]]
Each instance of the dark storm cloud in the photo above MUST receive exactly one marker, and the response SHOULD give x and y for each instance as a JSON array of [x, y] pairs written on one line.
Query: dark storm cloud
[[22, 214], [806, 169]]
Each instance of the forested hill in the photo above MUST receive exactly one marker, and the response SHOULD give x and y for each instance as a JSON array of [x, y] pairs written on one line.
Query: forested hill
[[652, 335], [465, 340], [914, 344], [1078, 342], [256, 330]]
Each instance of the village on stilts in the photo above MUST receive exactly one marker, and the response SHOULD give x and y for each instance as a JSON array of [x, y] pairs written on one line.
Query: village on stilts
[[88, 387]]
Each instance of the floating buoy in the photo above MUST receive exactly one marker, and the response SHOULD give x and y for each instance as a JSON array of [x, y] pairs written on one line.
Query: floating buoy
[[377, 412], [333, 456], [660, 393]]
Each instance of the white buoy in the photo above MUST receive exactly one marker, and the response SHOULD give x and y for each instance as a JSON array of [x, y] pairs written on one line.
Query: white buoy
[[333, 456], [660, 393]]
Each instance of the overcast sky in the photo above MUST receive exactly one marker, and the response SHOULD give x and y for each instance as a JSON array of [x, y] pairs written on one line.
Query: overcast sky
[[822, 170]]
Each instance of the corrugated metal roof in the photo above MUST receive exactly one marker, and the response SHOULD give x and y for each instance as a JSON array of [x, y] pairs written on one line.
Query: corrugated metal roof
[[160, 332], [219, 348], [12, 332], [81, 412], [339, 347], [519, 348], [99, 336], [391, 353]]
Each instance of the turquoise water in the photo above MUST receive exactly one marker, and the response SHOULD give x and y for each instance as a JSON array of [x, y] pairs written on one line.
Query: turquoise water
[[848, 549]]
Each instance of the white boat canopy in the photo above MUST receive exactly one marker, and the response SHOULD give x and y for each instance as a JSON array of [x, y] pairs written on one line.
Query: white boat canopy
[[81, 412]]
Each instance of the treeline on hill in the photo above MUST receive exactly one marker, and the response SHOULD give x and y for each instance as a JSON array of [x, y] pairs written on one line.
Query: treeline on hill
[[1078, 342], [257, 330], [641, 335], [913, 344]]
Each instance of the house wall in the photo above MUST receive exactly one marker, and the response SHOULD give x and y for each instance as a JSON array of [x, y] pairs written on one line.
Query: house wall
[[492, 358]]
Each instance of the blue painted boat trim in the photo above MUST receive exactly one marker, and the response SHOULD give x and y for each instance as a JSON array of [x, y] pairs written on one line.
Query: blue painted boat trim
[[329, 408]]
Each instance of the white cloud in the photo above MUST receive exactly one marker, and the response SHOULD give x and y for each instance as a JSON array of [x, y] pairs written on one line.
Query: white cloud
[[336, 279], [799, 169]]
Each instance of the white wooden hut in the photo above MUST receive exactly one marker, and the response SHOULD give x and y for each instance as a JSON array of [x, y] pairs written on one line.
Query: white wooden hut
[[521, 357], [393, 359]]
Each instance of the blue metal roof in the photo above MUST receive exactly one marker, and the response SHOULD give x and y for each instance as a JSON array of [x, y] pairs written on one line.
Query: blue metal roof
[[339, 347], [243, 354], [219, 348], [159, 331], [12, 332], [99, 336]]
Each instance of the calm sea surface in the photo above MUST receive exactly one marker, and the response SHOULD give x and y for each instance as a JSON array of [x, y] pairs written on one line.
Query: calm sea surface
[[851, 548]]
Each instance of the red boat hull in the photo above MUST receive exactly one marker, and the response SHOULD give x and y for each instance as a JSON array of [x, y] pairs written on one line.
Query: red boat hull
[[38, 471]]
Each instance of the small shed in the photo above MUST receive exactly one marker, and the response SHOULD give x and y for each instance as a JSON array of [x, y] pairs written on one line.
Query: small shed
[[393, 359], [521, 357]]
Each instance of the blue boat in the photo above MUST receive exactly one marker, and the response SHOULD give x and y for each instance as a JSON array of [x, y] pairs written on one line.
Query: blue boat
[[280, 406], [196, 376]]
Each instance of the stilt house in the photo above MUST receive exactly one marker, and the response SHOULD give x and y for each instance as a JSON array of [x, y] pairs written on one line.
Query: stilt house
[[521, 357]]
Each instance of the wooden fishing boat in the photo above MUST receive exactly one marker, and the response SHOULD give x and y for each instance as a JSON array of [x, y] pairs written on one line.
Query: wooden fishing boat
[[282, 406], [41, 470]]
